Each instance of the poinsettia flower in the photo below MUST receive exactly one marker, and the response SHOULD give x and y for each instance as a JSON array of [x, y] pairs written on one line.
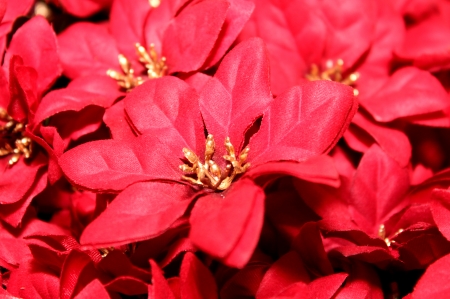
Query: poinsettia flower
[[386, 228], [181, 38], [169, 114]]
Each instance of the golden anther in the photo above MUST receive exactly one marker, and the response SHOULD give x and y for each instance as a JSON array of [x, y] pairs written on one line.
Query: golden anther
[[156, 68], [334, 72], [209, 174], [382, 235], [105, 251], [12, 139]]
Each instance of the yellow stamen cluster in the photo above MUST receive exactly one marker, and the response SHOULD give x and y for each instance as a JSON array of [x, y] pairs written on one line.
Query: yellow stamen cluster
[[209, 174], [382, 235], [156, 68], [334, 72], [12, 140]]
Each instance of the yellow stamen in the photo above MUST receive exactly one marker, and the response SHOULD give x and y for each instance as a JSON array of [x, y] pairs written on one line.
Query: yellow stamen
[[156, 68], [209, 174], [382, 235], [12, 139], [334, 72]]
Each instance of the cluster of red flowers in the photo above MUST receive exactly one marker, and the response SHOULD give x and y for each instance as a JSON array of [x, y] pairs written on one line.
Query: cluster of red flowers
[[225, 149]]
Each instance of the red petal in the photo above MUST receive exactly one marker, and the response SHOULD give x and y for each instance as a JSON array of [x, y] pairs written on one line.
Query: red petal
[[14, 212], [228, 227], [440, 207], [287, 270], [40, 53], [237, 15], [87, 49], [115, 119], [394, 142], [22, 87], [127, 25], [242, 85], [408, 92], [378, 190], [71, 271], [363, 282], [112, 165], [93, 289], [101, 91], [434, 282], [190, 37], [161, 288], [83, 8], [12, 252], [128, 286], [167, 108], [135, 216], [306, 121], [196, 280]]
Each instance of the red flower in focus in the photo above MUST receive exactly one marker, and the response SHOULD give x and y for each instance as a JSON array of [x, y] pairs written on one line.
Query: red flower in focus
[[169, 116], [182, 37]]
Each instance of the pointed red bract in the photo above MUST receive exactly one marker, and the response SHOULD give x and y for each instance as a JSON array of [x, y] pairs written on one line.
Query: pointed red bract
[[289, 129], [433, 283], [190, 37], [196, 280], [140, 212], [228, 226]]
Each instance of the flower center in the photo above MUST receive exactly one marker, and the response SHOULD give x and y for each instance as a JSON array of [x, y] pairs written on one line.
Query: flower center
[[382, 235], [334, 72], [12, 139], [209, 174], [156, 68]]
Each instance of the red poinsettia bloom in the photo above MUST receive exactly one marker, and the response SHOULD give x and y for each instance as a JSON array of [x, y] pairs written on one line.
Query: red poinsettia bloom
[[302, 123], [351, 43], [181, 36], [377, 222]]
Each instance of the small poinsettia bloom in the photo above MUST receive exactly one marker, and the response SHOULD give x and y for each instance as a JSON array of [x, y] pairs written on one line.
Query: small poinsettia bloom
[[149, 39], [377, 222], [352, 43], [169, 115]]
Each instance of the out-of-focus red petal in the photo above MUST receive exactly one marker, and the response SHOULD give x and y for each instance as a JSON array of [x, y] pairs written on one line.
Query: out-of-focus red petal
[[93, 290], [287, 270], [160, 288], [191, 36], [83, 8], [196, 280], [306, 121], [87, 49], [363, 132], [408, 92], [12, 252], [228, 226], [141, 211], [13, 213], [433, 283], [440, 208], [242, 85], [127, 285], [23, 90], [35, 42]]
